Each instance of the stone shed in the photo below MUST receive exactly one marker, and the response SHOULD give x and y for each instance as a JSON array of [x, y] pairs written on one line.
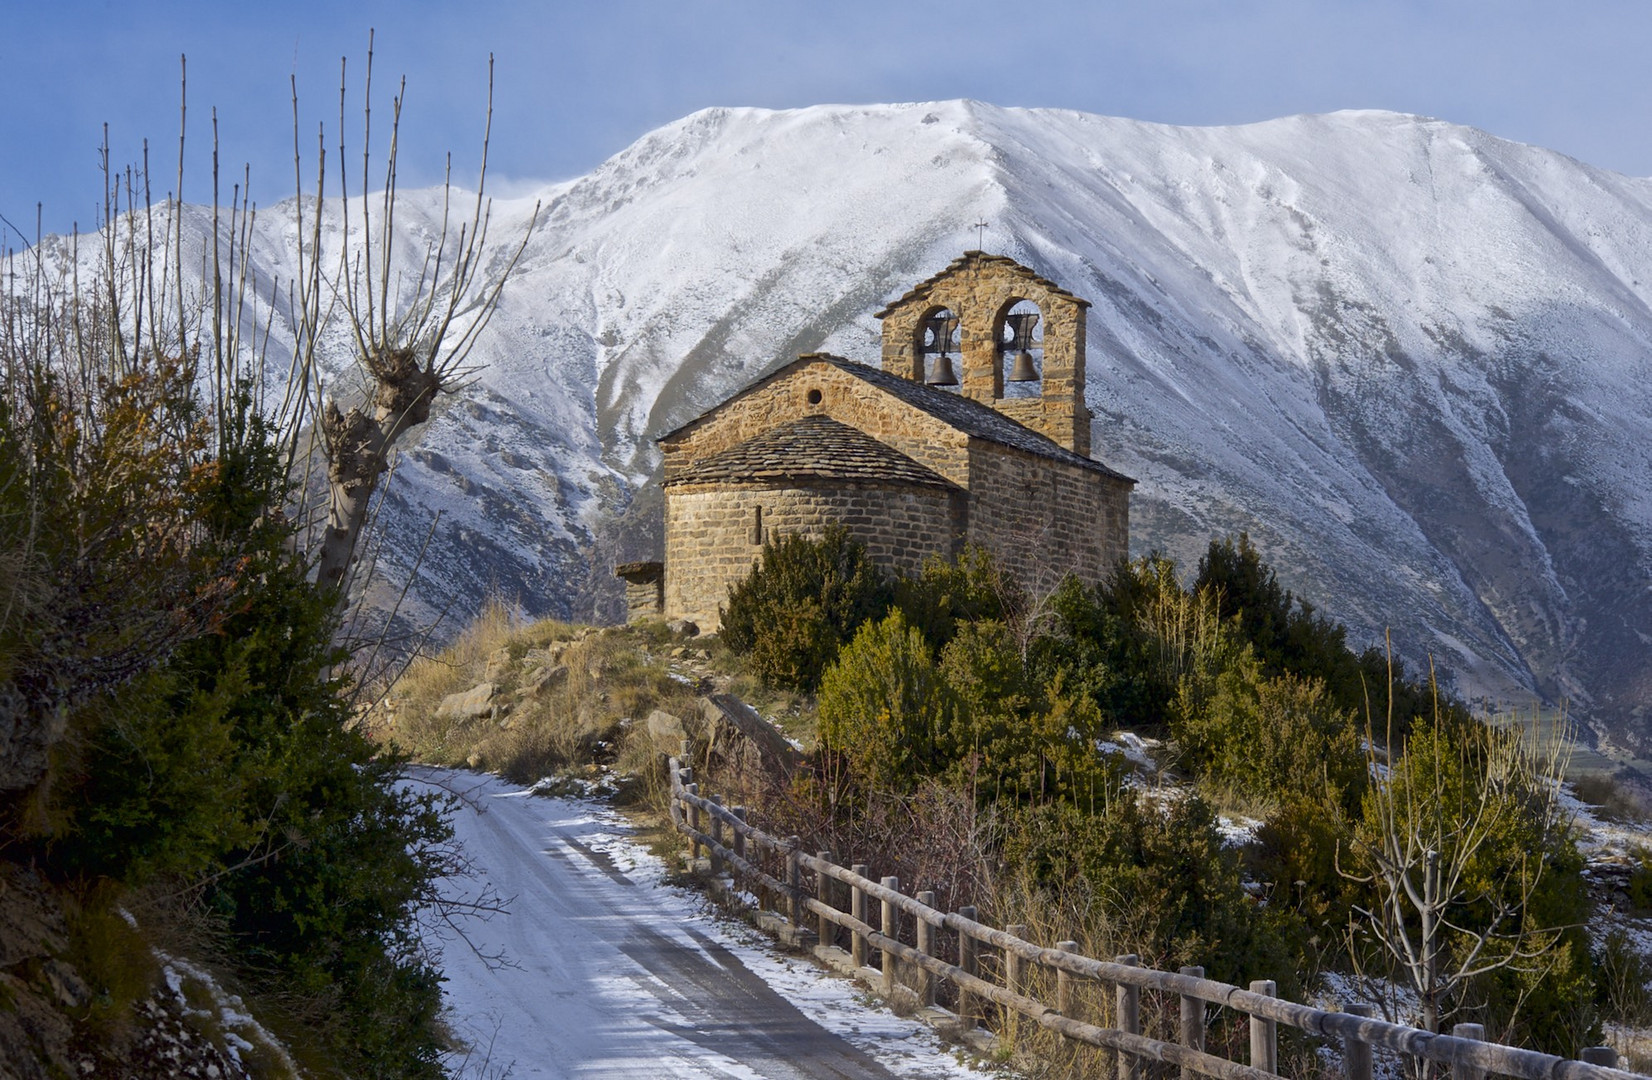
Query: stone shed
[[915, 459]]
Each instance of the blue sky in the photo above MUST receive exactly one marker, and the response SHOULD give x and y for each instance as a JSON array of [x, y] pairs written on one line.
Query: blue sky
[[576, 82]]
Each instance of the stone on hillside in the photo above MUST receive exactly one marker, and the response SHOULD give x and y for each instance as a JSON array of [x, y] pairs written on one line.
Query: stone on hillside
[[469, 705], [499, 664], [683, 627], [732, 726], [543, 679], [664, 727], [546, 657]]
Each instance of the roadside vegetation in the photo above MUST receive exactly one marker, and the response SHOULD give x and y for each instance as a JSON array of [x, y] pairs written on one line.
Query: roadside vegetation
[[990, 746], [191, 821]]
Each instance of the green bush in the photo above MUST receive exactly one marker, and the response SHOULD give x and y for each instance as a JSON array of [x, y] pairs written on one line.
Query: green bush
[[1268, 739], [1012, 736], [1290, 638], [1296, 853], [949, 594], [884, 707], [1640, 881], [1167, 877], [803, 600], [1101, 648], [221, 767]]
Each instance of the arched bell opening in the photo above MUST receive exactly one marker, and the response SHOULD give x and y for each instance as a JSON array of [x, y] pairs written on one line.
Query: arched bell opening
[[937, 348], [1020, 350]]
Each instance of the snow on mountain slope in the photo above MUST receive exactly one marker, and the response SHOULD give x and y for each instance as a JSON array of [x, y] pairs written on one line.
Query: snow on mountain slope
[[1410, 358]]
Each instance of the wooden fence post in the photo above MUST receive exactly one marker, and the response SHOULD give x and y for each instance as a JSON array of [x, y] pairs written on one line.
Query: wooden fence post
[[1600, 1055], [716, 831], [738, 842], [891, 929], [1064, 983], [926, 945], [967, 947], [857, 908], [1264, 1034], [1012, 959], [794, 881], [1129, 1016], [1462, 1070], [687, 752], [825, 929], [1193, 1019], [1356, 1053], [693, 822]]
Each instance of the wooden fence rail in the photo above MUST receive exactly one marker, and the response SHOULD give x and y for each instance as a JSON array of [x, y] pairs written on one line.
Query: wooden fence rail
[[1355, 1028]]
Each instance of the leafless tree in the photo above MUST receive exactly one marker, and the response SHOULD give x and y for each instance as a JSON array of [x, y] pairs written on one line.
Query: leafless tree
[[411, 334], [1436, 813]]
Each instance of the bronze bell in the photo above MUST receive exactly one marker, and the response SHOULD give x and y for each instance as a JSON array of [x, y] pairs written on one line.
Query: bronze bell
[[942, 374], [1024, 370]]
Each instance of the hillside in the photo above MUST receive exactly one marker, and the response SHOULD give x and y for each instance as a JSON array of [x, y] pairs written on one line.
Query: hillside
[[1410, 358]]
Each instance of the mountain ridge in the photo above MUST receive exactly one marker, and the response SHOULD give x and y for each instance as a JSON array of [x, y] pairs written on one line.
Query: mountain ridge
[[1411, 359]]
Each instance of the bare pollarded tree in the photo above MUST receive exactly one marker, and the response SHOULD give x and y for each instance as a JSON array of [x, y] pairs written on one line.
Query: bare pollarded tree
[[411, 332]]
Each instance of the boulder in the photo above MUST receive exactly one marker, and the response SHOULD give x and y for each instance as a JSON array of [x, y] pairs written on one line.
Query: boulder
[[734, 728], [542, 680], [683, 628], [469, 705], [499, 665], [546, 657], [663, 727]]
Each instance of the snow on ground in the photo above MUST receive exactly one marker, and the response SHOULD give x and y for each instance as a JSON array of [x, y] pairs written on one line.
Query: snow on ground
[[1135, 749], [600, 969], [1598, 838]]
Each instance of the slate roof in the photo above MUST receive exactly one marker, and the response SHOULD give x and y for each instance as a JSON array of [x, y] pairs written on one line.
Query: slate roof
[[810, 448], [928, 283], [967, 415]]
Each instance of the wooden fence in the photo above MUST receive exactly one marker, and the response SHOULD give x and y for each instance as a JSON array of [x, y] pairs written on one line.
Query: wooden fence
[[807, 889]]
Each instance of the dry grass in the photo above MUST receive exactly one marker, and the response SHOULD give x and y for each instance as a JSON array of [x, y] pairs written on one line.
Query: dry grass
[[589, 713], [1634, 1047], [1612, 799]]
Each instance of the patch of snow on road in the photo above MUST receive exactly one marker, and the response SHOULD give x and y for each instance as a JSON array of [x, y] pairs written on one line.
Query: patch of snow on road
[[601, 969]]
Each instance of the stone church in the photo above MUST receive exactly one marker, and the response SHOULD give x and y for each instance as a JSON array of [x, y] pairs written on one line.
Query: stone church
[[974, 431]]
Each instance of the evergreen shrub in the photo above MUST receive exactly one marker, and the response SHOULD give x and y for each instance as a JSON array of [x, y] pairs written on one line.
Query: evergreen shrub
[[803, 600]]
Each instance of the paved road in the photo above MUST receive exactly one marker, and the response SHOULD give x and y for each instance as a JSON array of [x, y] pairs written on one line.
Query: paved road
[[608, 974]]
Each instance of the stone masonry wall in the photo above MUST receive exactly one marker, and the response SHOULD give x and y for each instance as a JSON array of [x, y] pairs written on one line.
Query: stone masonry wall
[[980, 290], [919, 436], [1044, 519], [714, 533]]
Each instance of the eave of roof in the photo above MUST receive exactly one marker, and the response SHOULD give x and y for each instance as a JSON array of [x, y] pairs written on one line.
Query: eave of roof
[[961, 413], [810, 448]]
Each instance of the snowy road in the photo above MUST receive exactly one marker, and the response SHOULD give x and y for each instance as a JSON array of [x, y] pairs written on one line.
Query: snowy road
[[610, 973]]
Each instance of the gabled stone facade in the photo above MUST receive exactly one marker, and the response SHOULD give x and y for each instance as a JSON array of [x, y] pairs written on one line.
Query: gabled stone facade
[[911, 469]]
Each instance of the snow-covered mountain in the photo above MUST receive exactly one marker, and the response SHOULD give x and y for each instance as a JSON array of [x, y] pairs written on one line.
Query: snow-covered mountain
[[1413, 360]]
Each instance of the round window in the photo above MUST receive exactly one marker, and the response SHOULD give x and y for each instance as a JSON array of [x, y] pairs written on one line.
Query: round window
[[814, 397]]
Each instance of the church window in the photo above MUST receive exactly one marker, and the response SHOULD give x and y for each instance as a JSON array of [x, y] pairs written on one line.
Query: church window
[[757, 525], [814, 396]]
